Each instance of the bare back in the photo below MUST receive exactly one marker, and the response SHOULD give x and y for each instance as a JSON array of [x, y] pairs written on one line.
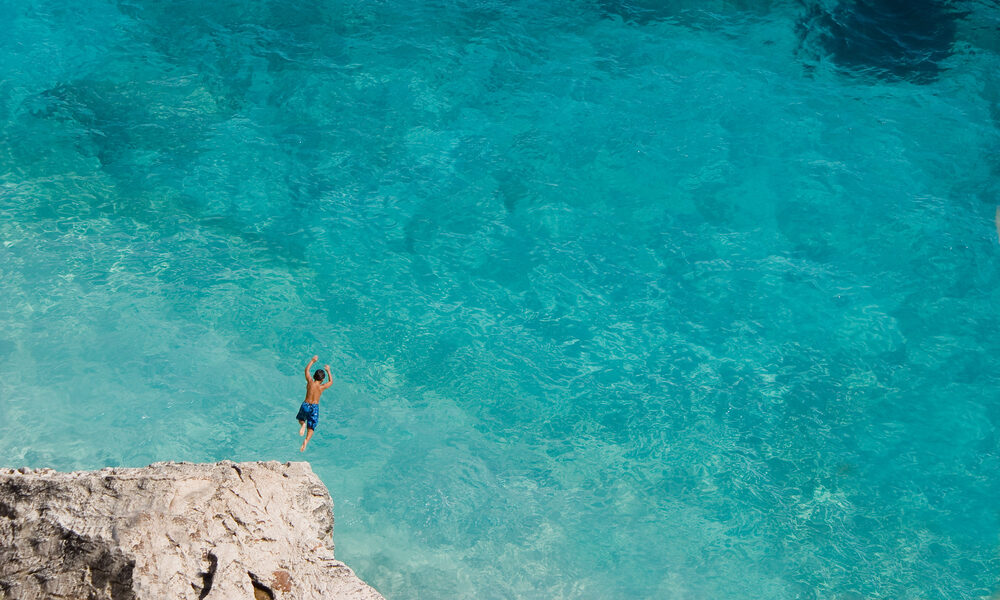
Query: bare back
[[314, 390]]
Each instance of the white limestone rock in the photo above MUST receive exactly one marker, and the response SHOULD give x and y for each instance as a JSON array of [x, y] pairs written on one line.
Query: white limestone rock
[[222, 531]]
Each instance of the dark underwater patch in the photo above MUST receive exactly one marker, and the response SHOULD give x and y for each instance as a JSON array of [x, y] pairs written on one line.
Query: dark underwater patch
[[892, 39]]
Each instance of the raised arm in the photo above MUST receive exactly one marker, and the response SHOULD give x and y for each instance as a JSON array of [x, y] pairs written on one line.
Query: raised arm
[[309, 367], [329, 377]]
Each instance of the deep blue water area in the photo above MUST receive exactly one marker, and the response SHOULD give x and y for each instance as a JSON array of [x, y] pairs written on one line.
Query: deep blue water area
[[623, 299]]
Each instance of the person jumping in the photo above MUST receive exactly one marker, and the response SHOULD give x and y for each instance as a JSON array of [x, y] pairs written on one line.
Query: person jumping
[[309, 411]]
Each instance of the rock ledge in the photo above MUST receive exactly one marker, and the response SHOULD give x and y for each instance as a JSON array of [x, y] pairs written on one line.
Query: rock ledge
[[221, 531]]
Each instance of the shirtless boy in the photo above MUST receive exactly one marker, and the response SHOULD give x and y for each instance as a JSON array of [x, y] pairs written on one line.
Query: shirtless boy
[[309, 411]]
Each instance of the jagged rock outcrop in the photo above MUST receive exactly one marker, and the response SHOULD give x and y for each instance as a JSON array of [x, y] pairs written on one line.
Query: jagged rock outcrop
[[224, 531]]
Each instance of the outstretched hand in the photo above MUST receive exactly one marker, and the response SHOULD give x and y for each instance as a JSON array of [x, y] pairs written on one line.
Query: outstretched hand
[[315, 358]]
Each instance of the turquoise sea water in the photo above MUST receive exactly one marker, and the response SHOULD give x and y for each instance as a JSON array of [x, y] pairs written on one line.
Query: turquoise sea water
[[623, 300]]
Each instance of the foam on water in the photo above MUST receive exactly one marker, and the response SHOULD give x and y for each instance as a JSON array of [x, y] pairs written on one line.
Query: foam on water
[[622, 299]]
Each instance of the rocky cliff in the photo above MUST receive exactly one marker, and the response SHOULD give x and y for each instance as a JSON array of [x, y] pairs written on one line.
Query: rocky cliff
[[223, 531]]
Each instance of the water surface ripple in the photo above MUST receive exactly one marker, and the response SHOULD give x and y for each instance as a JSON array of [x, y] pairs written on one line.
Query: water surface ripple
[[623, 299]]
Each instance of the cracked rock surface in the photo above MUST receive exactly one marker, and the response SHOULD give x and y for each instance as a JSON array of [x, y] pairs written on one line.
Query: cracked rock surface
[[222, 531]]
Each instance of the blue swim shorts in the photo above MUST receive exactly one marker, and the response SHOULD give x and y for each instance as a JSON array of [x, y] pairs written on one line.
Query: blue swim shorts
[[309, 413]]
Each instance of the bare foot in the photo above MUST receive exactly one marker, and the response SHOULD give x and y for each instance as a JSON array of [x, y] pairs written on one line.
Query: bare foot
[[302, 429], [303, 448]]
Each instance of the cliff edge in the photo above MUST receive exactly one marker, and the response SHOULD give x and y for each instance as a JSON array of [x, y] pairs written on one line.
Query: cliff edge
[[224, 531]]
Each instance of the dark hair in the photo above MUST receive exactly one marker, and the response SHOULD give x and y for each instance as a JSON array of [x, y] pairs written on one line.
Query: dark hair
[[319, 374]]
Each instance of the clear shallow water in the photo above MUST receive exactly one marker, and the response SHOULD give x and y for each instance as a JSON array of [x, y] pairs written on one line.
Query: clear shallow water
[[623, 300]]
